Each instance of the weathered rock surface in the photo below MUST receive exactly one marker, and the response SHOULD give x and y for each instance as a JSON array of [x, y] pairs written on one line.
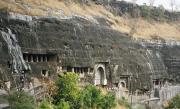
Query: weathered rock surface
[[80, 43]]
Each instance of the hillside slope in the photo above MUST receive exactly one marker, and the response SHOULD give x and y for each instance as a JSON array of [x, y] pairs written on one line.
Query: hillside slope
[[58, 8]]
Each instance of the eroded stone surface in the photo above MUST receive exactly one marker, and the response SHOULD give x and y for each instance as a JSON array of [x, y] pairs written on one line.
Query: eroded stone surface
[[77, 44]]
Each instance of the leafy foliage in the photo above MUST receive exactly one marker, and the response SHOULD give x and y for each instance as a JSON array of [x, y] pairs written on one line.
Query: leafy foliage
[[69, 96], [91, 97], [124, 103], [174, 103], [148, 12], [108, 101], [145, 11], [45, 105], [63, 105], [68, 90], [21, 100], [158, 13]]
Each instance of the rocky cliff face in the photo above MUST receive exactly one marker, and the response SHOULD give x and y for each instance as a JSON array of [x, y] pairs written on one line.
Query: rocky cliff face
[[76, 44]]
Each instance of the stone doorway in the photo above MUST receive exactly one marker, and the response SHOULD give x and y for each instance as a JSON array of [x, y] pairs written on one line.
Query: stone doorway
[[122, 84], [100, 75]]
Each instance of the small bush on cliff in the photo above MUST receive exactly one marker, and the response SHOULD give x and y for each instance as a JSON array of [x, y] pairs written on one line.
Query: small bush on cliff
[[145, 11], [158, 13], [21, 100]]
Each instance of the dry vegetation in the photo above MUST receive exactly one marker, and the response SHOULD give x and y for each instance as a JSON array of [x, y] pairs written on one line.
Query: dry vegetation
[[144, 29]]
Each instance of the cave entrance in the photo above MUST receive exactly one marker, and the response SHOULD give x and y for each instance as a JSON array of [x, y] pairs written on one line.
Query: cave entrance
[[123, 84], [100, 76], [44, 73]]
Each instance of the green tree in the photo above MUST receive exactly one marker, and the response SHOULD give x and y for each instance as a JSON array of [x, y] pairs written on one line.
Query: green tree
[[145, 11], [174, 103], [21, 100], [63, 105], [158, 13], [69, 96], [45, 105], [68, 90], [92, 98], [108, 101]]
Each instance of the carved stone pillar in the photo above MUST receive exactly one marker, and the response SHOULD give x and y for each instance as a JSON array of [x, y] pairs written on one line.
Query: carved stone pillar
[[41, 58], [72, 69], [31, 58], [37, 59]]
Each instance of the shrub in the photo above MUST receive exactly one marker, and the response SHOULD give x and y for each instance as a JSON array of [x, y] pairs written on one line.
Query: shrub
[[124, 102], [145, 11], [68, 90], [21, 100], [158, 13], [92, 98], [69, 96], [108, 101], [45, 105], [62, 105], [174, 103]]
